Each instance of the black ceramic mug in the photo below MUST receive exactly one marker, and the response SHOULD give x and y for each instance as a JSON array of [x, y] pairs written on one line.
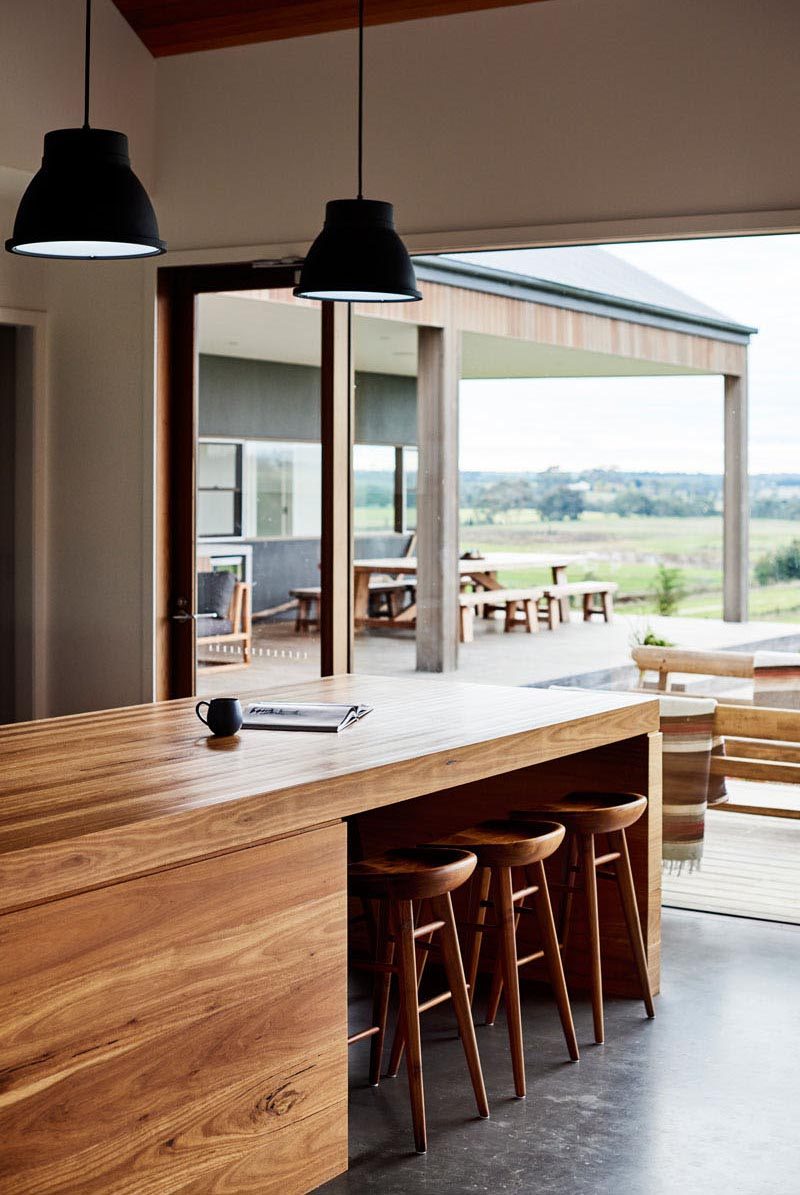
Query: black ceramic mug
[[224, 715]]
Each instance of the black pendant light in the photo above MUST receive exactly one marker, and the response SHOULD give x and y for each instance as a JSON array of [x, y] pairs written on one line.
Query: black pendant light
[[85, 201], [358, 257]]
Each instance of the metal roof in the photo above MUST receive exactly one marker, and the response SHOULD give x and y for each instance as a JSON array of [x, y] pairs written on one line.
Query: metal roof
[[584, 278]]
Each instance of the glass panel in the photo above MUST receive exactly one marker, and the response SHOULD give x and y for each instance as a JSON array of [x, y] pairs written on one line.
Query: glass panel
[[216, 512], [373, 470], [259, 486], [217, 466], [284, 489]]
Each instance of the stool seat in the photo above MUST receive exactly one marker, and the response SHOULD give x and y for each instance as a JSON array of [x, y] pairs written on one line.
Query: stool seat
[[411, 873], [590, 813], [508, 843]]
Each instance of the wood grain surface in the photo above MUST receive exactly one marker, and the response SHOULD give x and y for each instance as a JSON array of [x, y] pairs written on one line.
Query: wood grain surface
[[184, 1031], [636, 762], [97, 798], [183, 26]]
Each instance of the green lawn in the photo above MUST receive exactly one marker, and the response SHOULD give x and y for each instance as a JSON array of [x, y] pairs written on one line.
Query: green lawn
[[629, 551]]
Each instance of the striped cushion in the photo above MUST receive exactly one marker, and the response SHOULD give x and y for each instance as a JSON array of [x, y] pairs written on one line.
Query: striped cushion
[[776, 679], [687, 724]]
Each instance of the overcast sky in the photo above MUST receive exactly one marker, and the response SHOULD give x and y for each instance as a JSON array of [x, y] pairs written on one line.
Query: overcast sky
[[660, 424]]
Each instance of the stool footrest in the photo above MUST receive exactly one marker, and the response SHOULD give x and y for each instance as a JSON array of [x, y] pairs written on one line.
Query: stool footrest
[[354, 1037], [430, 928], [523, 892], [530, 958], [609, 858], [434, 1000]]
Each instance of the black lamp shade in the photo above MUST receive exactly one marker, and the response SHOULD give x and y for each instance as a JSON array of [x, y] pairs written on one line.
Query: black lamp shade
[[358, 257], [85, 201]]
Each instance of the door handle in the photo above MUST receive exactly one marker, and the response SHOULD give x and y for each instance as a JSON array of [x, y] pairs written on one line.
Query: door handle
[[182, 612]]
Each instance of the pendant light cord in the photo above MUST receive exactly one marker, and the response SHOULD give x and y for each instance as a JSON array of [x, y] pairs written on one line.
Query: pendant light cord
[[360, 99], [87, 60]]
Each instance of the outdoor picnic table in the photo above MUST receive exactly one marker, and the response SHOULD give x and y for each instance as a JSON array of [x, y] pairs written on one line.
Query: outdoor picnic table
[[480, 570]]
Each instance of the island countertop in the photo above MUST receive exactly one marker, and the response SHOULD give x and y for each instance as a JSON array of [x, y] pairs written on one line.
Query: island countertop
[[95, 798], [174, 914]]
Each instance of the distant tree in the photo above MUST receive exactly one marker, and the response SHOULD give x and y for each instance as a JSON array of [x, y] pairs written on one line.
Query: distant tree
[[512, 493], [560, 503], [632, 502], [781, 565]]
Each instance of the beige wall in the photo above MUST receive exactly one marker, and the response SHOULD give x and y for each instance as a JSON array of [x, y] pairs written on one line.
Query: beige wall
[[567, 120], [97, 535]]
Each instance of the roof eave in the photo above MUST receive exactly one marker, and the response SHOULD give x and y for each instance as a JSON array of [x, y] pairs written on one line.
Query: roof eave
[[558, 294]]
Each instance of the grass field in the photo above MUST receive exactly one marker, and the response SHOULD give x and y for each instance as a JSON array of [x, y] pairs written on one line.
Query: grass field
[[628, 551]]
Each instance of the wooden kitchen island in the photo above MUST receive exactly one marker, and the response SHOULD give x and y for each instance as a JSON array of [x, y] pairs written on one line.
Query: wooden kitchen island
[[173, 921]]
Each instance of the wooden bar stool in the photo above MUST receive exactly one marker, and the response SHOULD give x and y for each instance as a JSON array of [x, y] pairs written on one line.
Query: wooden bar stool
[[395, 880], [586, 815], [501, 846]]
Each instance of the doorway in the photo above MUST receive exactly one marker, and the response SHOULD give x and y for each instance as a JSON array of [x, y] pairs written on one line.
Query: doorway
[[255, 420]]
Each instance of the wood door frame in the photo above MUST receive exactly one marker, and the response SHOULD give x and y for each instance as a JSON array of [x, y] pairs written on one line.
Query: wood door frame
[[176, 439], [31, 523]]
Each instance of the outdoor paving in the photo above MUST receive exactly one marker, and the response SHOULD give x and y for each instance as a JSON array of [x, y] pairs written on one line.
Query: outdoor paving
[[593, 652]]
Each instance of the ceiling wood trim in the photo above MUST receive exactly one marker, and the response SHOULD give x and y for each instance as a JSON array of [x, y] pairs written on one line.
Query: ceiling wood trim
[[184, 26]]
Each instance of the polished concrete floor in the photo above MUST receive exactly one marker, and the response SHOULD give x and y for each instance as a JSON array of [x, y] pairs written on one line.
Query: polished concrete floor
[[701, 1101]]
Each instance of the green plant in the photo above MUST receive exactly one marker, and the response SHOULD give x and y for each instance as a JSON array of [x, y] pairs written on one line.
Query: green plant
[[647, 637], [669, 589]]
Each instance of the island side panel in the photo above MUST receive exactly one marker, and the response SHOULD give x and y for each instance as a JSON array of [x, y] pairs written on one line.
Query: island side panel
[[185, 1031], [630, 765]]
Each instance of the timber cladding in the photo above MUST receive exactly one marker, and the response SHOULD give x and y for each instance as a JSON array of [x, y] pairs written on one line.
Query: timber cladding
[[181, 1032]]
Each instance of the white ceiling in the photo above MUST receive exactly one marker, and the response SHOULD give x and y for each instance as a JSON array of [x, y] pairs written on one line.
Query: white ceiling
[[238, 326], [230, 326]]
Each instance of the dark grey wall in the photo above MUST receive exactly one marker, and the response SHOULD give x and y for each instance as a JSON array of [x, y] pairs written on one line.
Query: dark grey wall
[[8, 422], [282, 564], [267, 399]]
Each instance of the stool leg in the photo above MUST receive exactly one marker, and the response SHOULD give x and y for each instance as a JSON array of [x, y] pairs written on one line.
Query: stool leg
[[590, 881], [565, 913], [380, 993], [477, 916], [630, 908], [399, 1041], [508, 955], [547, 928], [496, 990], [409, 1012], [451, 956]]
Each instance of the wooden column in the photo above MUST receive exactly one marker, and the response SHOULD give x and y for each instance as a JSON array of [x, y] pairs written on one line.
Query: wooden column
[[736, 503], [336, 430], [400, 493], [437, 499]]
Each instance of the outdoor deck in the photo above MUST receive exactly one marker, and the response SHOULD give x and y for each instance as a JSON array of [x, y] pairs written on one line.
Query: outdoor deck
[[594, 655]]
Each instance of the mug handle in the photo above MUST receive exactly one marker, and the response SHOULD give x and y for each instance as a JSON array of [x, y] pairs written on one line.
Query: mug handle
[[197, 711]]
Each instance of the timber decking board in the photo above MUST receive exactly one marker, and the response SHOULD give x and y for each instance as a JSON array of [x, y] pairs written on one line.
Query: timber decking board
[[97, 798]]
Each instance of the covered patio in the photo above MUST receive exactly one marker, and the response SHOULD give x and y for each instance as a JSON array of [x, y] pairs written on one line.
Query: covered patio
[[520, 314]]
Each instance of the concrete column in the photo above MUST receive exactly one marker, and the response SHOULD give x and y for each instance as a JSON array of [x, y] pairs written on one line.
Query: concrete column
[[437, 499], [736, 503]]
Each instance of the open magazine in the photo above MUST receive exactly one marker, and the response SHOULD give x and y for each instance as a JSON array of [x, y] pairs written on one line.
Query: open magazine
[[267, 715]]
